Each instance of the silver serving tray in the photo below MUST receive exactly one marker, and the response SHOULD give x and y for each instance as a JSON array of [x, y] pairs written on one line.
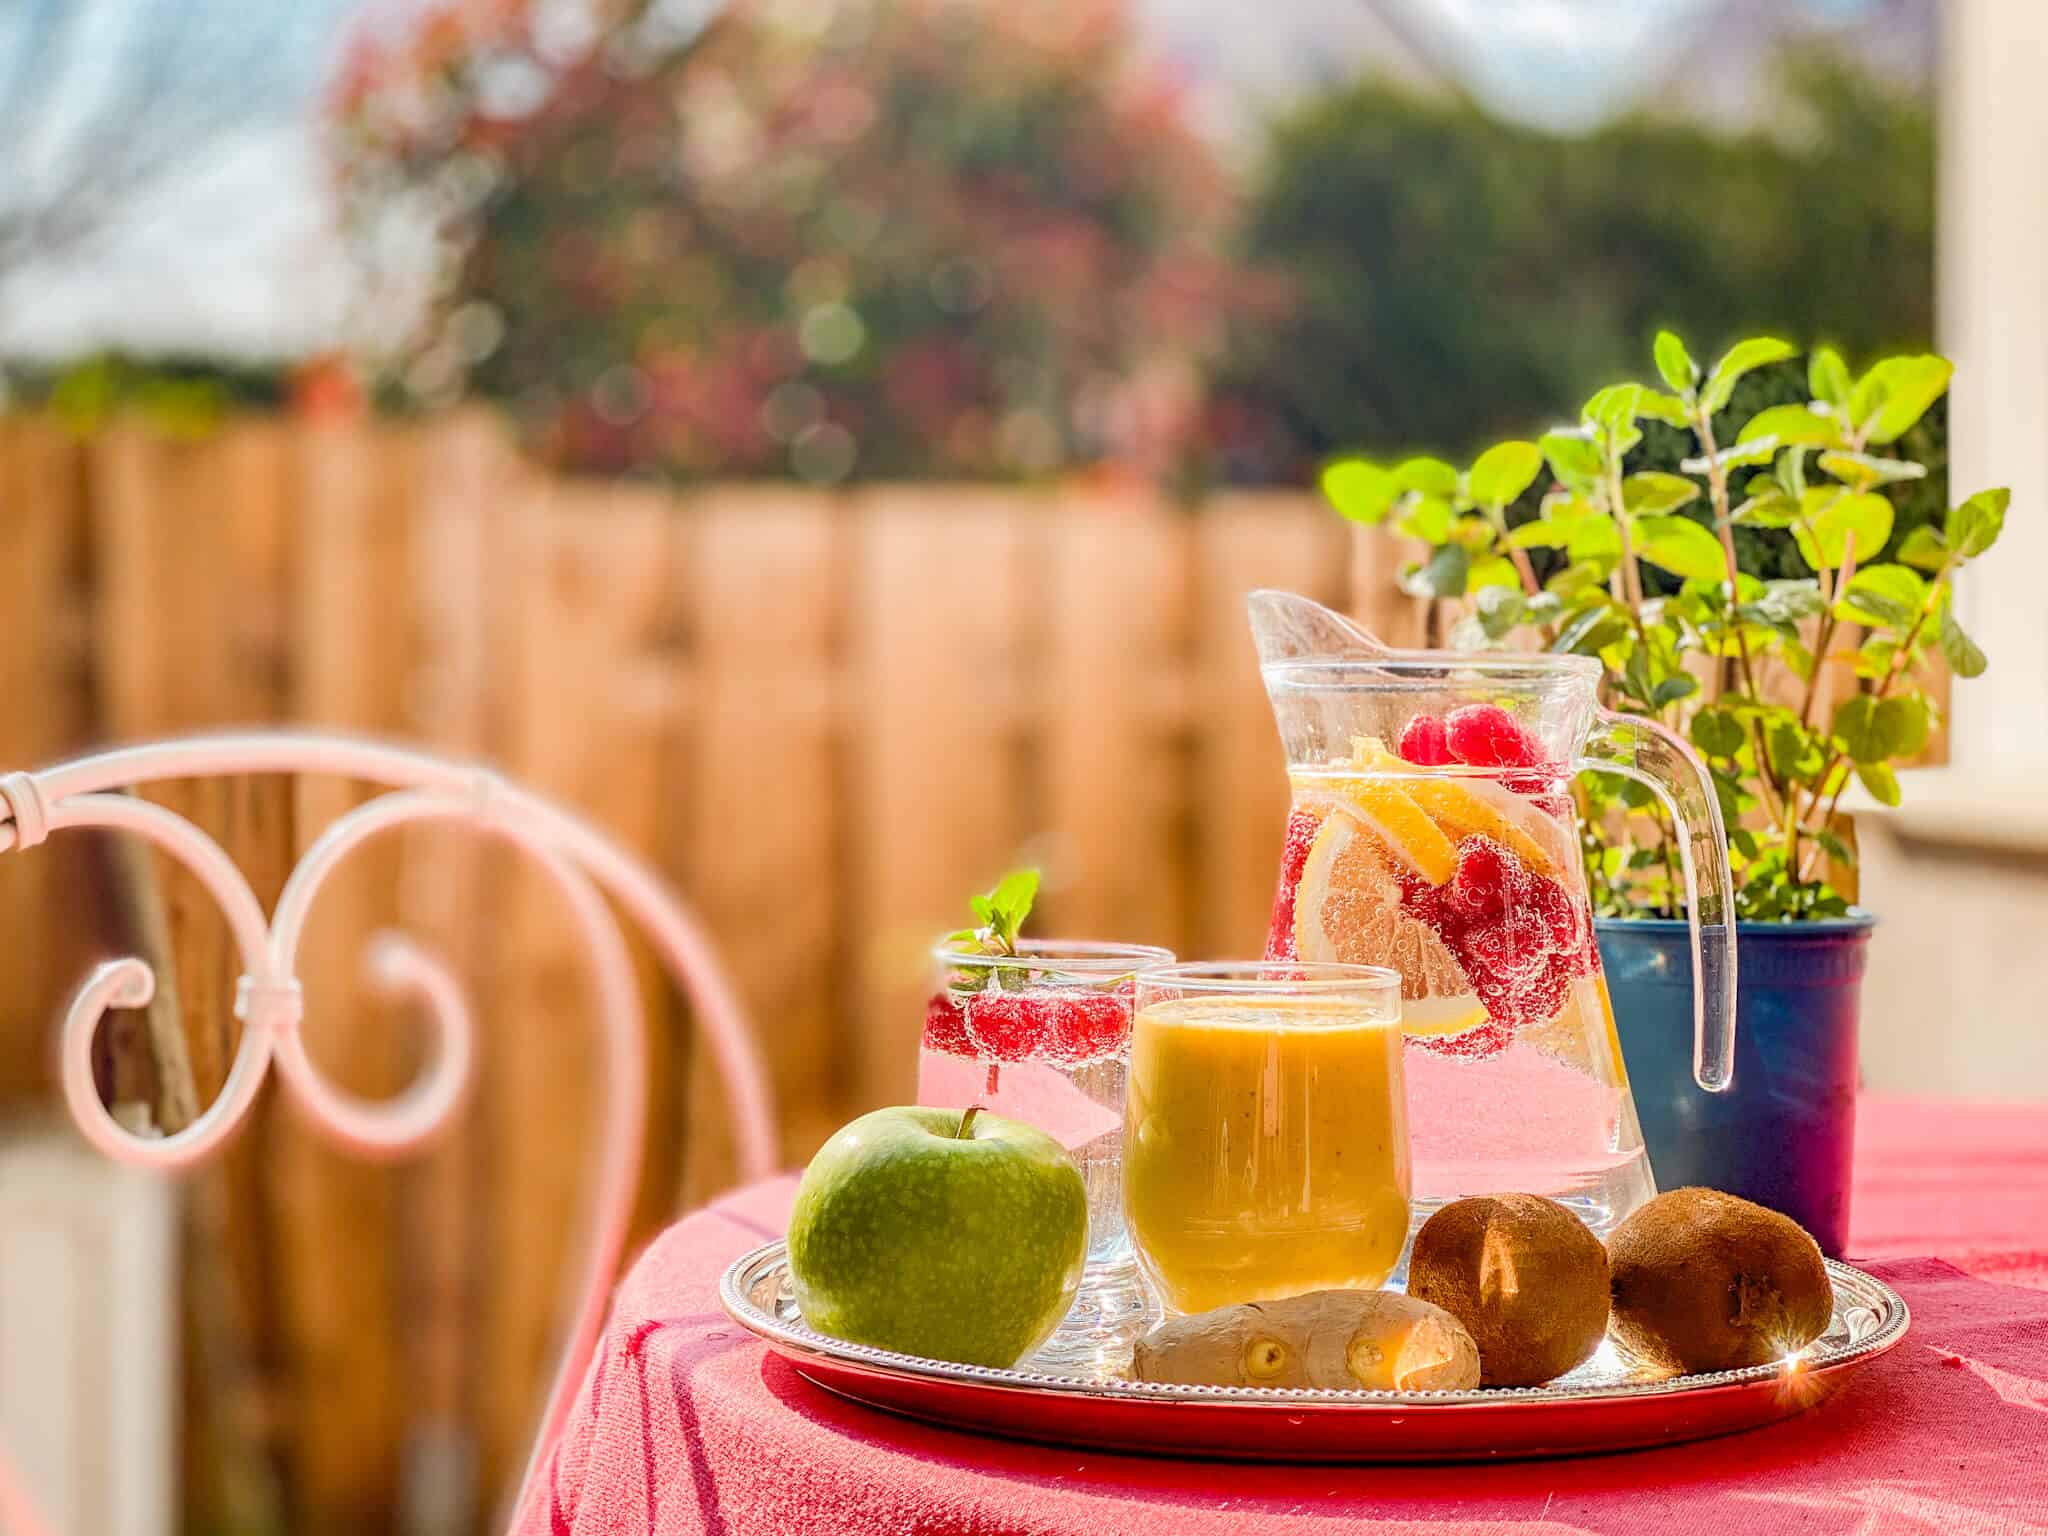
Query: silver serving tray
[[1609, 1403]]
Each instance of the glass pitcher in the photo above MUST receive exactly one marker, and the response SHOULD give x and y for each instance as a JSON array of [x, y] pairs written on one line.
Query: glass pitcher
[[1432, 830]]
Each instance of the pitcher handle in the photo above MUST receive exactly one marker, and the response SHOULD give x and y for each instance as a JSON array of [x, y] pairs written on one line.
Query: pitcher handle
[[1646, 752]]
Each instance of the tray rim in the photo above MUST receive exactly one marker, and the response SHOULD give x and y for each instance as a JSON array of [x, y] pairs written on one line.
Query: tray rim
[[801, 1342]]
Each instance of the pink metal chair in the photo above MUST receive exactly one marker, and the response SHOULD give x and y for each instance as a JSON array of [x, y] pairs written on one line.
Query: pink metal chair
[[580, 860]]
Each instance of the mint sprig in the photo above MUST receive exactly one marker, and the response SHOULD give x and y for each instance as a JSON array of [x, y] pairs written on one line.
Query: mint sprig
[[1001, 914]]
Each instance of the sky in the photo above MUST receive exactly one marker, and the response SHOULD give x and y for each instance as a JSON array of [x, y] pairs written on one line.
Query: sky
[[233, 257]]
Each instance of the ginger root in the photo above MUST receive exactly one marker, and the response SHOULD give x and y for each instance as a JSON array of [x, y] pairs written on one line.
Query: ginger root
[[1345, 1339]]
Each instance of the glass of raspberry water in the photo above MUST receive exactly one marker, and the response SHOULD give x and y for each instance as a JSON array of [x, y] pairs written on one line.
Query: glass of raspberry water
[[1043, 1036]]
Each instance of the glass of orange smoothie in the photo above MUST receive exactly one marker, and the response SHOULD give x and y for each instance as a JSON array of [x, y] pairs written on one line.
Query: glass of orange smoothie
[[1265, 1130]]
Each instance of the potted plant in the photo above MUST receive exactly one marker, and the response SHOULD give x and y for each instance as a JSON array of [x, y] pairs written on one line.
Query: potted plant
[[1790, 688]]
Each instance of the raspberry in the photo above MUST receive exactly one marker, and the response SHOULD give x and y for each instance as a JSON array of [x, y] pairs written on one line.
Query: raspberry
[[1088, 1025], [1301, 832], [945, 1026], [1551, 902], [1486, 736], [1423, 742], [1008, 1026], [1485, 879], [1510, 951]]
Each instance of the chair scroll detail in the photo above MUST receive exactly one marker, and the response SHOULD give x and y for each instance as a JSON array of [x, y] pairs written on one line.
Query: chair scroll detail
[[581, 862]]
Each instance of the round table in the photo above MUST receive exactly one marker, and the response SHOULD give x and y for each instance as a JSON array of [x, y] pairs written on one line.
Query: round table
[[687, 1424]]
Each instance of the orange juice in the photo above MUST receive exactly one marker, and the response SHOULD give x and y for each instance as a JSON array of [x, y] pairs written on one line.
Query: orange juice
[[1265, 1147]]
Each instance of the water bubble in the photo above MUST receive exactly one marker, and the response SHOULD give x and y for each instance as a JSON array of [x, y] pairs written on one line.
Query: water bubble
[[823, 453]]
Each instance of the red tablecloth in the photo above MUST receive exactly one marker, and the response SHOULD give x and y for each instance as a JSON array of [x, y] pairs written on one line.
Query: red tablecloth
[[689, 1425]]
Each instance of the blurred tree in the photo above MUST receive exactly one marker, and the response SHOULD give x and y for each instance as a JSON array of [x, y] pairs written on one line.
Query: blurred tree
[[108, 105], [869, 238], [1459, 279]]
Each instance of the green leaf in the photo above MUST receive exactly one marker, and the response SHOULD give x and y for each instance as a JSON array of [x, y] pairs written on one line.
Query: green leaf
[[1674, 362], [1008, 905], [1964, 656], [1771, 509], [1756, 451], [1855, 726], [1575, 460], [1360, 491], [1543, 533], [1789, 747], [1679, 545], [1925, 547], [1782, 605], [1790, 472], [1654, 491], [1431, 476], [1864, 470], [983, 909], [1832, 519], [1827, 377], [1974, 526], [1883, 594], [1717, 733], [1498, 610], [1738, 360], [1902, 724], [1888, 399], [1613, 408], [1427, 518], [1882, 783], [1443, 573], [1659, 406], [1790, 424], [1494, 571], [1591, 631], [1503, 472], [1680, 685], [1594, 539]]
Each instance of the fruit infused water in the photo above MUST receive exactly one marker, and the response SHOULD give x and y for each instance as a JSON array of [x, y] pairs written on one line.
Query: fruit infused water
[[1043, 1036], [1450, 855], [1265, 1134]]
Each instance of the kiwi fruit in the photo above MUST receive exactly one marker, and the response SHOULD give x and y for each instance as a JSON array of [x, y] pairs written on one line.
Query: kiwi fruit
[[1525, 1276], [1704, 1281]]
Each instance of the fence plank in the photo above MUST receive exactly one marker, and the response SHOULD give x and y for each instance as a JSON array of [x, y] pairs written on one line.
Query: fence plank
[[591, 722], [187, 548], [42, 713], [1247, 541], [353, 667], [939, 798], [1113, 718], [756, 844]]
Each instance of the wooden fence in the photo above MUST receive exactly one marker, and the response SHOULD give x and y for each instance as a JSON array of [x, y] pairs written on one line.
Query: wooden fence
[[827, 716]]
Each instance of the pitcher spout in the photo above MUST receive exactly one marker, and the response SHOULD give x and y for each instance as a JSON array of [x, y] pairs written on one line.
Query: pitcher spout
[[1289, 627]]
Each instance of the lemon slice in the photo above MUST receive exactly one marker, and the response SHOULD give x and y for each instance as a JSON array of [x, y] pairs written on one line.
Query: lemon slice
[[1441, 1015], [1404, 826]]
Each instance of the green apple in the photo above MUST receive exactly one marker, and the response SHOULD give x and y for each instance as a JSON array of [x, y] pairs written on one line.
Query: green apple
[[929, 1232]]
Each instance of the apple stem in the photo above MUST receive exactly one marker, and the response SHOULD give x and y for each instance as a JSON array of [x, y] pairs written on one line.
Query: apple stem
[[994, 1083], [966, 1120]]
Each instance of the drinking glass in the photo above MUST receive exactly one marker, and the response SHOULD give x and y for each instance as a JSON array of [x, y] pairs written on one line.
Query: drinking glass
[[1266, 1130], [1042, 1036]]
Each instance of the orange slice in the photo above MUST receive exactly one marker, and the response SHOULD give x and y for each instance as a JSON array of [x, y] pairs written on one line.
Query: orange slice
[[1348, 908], [1464, 807], [1401, 824]]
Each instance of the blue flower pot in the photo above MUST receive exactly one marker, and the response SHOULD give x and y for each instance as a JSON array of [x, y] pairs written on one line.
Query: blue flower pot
[[1783, 1134]]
